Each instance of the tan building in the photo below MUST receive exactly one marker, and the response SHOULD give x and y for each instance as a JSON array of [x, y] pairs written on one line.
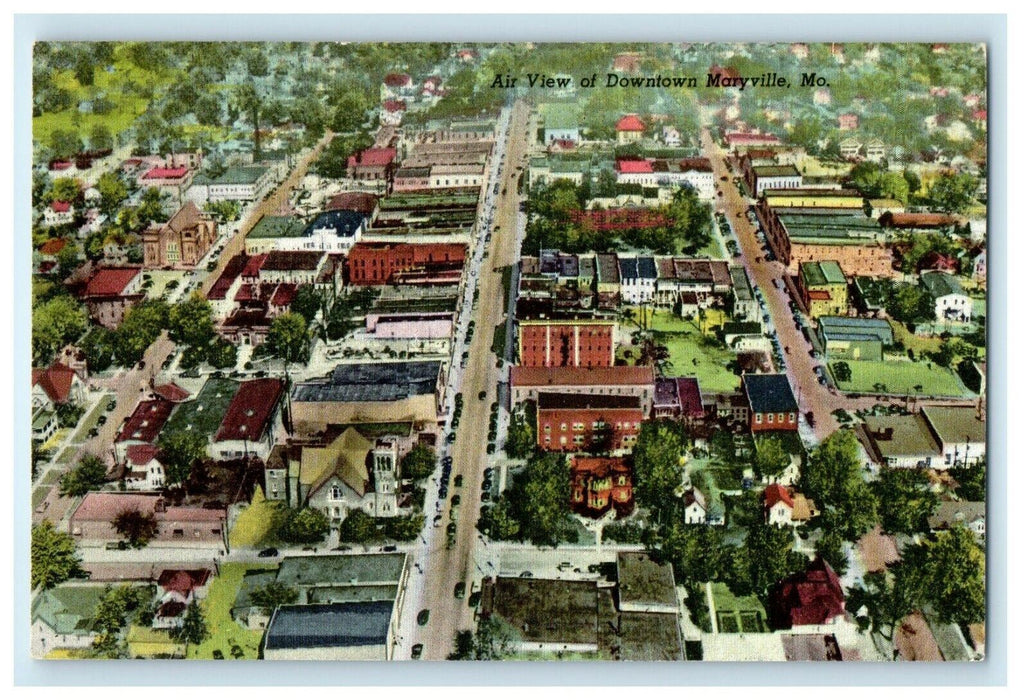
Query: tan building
[[823, 286], [181, 242]]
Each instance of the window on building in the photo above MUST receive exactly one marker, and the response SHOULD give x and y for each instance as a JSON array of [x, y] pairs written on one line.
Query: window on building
[[781, 417], [759, 418]]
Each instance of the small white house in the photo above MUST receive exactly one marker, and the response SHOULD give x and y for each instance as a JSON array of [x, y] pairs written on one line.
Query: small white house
[[951, 301]]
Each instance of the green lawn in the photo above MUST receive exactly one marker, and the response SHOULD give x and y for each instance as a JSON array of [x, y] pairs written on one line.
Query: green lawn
[[217, 608], [902, 377], [688, 357], [253, 524], [39, 495]]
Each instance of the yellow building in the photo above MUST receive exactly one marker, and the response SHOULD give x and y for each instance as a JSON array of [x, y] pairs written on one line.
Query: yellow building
[[823, 285], [805, 198]]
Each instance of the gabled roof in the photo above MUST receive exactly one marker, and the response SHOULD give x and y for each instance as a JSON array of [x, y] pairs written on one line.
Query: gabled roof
[[166, 173], [776, 493], [812, 597], [141, 454], [941, 284], [632, 166], [68, 608], [110, 281], [183, 581], [630, 122], [951, 513], [53, 246], [171, 392], [251, 410], [345, 457], [60, 207], [56, 380], [146, 421]]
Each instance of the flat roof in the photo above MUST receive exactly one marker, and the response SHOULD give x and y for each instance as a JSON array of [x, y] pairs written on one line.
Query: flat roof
[[342, 569], [840, 326], [955, 424], [331, 625], [548, 611], [237, 175], [580, 376], [900, 436], [769, 393], [278, 227], [574, 402], [643, 581], [371, 381], [775, 171], [822, 272]]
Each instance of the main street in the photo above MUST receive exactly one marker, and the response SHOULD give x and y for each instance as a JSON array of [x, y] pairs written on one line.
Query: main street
[[445, 567]]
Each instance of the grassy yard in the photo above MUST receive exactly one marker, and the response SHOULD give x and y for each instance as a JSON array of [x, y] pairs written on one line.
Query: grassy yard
[[56, 439], [39, 495], [917, 343], [254, 523], [687, 356], [902, 377], [217, 608]]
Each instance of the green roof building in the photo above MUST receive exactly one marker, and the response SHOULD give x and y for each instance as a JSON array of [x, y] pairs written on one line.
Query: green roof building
[[823, 286]]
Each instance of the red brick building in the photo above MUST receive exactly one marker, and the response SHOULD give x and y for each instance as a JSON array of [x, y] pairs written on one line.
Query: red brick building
[[577, 422], [566, 342], [527, 382], [377, 263], [599, 484], [771, 402]]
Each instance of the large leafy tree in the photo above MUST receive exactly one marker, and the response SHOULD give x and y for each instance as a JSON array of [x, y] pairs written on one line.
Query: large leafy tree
[[767, 558], [113, 192], [55, 322], [539, 499], [954, 564], [419, 463], [180, 450], [307, 302], [952, 192], [141, 326], [358, 527], [971, 480], [288, 337], [905, 500], [832, 477], [191, 322], [658, 457], [137, 527], [303, 526], [88, 475], [54, 557], [271, 595], [770, 459]]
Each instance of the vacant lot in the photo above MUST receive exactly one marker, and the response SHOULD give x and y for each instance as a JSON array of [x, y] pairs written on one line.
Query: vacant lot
[[909, 378], [217, 609]]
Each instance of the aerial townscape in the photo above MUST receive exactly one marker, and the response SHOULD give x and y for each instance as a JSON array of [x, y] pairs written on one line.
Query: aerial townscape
[[373, 352]]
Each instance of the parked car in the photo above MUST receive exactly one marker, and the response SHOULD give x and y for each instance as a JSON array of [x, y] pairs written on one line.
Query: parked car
[[389, 548], [458, 481], [459, 590], [423, 617], [111, 405], [269, 552], [415, 651]]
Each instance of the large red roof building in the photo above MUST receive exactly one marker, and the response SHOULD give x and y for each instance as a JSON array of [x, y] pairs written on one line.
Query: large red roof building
[[812, 597], [566, 342], [527, 382]]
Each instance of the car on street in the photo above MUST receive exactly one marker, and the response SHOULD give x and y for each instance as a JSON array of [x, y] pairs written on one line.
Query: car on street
[[111, 404], [389, 548], [269, 552], [455, 501], [459, 590], [415, 651], [458, 481], [481, 395], [451, 437], [526, 574], [423, 617]]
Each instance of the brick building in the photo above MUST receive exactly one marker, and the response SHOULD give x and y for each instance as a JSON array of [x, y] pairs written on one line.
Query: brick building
[[181, 242], [527, 382], [576, 422], [377, 264], [566, 342], [772, 405], [599, 484]]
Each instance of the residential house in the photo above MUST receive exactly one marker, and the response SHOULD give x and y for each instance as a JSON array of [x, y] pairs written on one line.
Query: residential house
[[772, 405], [58, 214], [638, 279], [372, 165], [850, 148], [249, 421], [62, 617], [951, 301], [599, 484], [783, 506], [875, 150], [181, 242], [809, 599], [629, 128], [559, 122], [142, 428], [577, 422], [177, 588], [950, 514], [697, 511], [56, 385], [143, 468]]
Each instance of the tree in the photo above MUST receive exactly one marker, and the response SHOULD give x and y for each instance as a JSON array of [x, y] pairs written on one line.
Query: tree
[[98, 347], [88, 475], [882, 599], [952, 192], [494, 639], [498, 523], [768, 558], [222, 354], [303, 526], [697, 554], [464, 643], [658, 456], [905, 500], [690, 221], [909, 303], [112, 192], [113, 612], [358, 527], [64, 189], [770, 459], [139, 328], [830, 548], [248, 102], [954, 563], [65, 144], [419, 463], [55, 323], [54, 557], [180, 450], [971, 480], [405, 528], [137, 527], [307, 302], [271, 595], [194, 626], [842, 370], [832, 477], [288, 338], [100, 138], [539, 499], [223, 211], [191, 322], [521, 434]]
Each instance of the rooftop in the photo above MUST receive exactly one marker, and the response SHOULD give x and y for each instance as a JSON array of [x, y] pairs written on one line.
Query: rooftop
[[251, 410], [205, 413], [546, 611], [941, 284], [951, 513], [110, 281], [576, 402], [287, 260], [331, 625], [372, 381], [642, 581], [68, 608], [840, 326], [900, 436], [342, 570], [580, 376], [775, 171], [146, 421], [769, 393], [955, 424], [822, 272], [278, 227], [630, 122], [238, 175]]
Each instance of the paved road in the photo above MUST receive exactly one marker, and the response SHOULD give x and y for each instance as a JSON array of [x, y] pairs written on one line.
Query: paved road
[[799, 365], [446, 567]]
